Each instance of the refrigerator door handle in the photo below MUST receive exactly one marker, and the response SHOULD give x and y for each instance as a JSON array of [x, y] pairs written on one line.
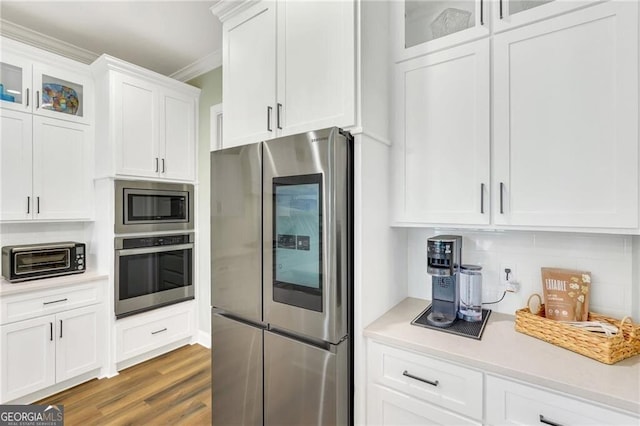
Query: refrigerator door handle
[[237, 318], [320, 344]]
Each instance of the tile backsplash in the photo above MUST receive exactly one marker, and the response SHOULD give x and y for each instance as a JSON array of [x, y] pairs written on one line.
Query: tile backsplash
[[609, 258]]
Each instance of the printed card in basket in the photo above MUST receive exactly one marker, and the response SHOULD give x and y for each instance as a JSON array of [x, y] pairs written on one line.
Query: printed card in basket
[[566, 294]]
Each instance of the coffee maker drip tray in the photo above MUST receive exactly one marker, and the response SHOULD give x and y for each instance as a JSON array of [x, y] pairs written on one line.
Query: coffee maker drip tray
[[460, 327]]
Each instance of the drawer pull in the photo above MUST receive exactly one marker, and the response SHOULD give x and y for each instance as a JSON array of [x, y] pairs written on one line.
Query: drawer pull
[[406, 373], [159, 331], [548, 422], [55, 301]]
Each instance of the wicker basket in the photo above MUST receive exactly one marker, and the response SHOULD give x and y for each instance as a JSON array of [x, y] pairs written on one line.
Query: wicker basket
[[609, 350]]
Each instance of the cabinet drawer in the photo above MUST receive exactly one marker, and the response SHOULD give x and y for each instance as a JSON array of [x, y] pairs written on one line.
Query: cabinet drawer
[[389, 407], [510, 403], [38, 303], [450, 386], [143, 333]]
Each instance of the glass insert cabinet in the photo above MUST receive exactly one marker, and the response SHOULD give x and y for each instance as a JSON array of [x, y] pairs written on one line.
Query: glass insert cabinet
[[31, 87], [426, 26]]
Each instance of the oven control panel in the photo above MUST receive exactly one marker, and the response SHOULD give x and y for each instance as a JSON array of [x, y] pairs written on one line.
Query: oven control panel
[[153, 241]]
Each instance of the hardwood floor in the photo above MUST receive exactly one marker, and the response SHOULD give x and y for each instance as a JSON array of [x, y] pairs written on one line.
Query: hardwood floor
[[173, 389]]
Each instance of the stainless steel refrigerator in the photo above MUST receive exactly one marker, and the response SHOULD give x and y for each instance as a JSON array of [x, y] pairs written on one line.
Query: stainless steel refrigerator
[[282, 274]]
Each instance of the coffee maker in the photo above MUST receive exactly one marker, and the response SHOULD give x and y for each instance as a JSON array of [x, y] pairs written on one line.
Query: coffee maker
[[443, 263]]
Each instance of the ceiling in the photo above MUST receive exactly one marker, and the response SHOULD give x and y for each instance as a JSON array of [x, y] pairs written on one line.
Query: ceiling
[[174, 38]]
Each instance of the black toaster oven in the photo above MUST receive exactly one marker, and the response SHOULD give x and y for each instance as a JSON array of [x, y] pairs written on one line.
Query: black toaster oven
[[32, 261]]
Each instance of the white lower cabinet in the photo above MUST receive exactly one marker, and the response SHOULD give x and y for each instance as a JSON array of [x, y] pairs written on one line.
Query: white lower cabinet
[[405, 388], [41, 352], [512, 403], [389, 407], [143, 333], [27, 357], [79, 340], [48, 337]]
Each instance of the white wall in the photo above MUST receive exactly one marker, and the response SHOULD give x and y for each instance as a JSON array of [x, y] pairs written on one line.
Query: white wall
[[609, 258]]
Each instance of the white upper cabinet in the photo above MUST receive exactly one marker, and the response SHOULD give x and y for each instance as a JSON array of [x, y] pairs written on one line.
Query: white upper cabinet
[[45, 166], [177, 144], [289, 68], [42, 89], [16, 81], [62, 160], [16, 190], [508, 14], [316, 65], [249, 81], [149, 123], [441, 158], [427, 26], [46, 154], [564, 111], [566, 120], [136, 126]]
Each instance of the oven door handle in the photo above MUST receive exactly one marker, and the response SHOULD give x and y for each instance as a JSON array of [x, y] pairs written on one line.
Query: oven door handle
[[155, 249]]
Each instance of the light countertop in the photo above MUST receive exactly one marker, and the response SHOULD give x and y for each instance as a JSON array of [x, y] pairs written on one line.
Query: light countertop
[[506, 352], [7, 288]]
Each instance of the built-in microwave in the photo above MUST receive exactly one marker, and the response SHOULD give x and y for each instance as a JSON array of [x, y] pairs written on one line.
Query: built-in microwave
[[143, 206]]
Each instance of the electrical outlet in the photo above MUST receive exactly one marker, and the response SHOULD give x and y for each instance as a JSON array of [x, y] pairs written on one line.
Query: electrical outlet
[[513, 287], [508, 272]]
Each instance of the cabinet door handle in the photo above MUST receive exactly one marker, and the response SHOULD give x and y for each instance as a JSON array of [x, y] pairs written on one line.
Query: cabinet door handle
[[61, 329], [278, 115], [548, 422], [482, 198], [37, 99], [51, 332], [163, 165], [501, 197], [38, 203], [55, 301], [28, 204], [159, 331], [501, 9], [269, 109], [481, 12], [420, 379], [157, 165], [27, 97]]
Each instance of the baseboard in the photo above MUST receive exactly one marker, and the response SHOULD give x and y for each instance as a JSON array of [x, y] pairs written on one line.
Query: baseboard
[[54, 389], [151, 354], [204, 339]]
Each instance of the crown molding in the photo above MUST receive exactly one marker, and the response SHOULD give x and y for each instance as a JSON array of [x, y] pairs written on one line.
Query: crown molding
[[211, 61], [107, 63], [33, 38], [224, 9]]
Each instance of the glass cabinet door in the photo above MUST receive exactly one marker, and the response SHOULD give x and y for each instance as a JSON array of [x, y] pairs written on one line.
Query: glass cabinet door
[[508, 14], [429, 20], [15, 83], [426, 26], [59, 94], [517, 6]]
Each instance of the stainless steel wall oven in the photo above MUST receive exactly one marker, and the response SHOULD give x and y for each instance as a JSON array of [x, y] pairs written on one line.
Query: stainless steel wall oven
[[144, 206], [152, 271]]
